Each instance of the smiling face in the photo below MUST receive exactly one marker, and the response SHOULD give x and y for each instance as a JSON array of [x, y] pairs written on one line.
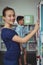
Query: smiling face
[[9, 17]]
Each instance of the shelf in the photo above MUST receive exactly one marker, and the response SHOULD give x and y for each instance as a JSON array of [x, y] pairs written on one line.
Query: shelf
[[32, 41], [31, 50], [3, 50]]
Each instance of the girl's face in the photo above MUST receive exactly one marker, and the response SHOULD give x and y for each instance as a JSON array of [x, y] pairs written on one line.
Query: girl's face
[[9, 17]]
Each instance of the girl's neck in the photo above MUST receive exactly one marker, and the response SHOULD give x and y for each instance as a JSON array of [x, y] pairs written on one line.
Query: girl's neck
[[7, 26]]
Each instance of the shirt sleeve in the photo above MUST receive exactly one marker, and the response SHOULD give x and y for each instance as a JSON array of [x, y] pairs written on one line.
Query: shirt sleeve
[[9, 34]]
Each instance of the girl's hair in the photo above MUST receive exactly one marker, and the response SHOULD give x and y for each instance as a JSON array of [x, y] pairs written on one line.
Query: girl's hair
[[6, 9]]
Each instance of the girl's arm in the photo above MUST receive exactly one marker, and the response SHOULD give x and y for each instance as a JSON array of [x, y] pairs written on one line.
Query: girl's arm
[[26, 38]]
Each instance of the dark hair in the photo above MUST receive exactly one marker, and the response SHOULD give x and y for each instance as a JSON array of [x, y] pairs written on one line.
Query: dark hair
[[19, 18], [5, 9]]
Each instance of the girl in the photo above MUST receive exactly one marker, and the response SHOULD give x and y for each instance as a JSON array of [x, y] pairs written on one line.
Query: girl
[[11, 38]]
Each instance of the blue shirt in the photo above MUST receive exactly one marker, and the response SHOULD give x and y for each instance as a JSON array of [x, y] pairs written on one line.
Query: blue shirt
[[22, 31], [19, 30], [13, 48]]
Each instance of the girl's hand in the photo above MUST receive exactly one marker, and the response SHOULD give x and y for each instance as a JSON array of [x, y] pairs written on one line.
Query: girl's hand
[[36, 26]]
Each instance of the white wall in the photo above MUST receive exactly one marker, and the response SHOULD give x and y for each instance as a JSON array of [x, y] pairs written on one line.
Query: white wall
[[22, 7]]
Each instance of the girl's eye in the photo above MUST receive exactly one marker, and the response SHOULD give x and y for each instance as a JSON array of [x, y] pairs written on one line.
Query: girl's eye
[[11, 15], [14, 15]]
